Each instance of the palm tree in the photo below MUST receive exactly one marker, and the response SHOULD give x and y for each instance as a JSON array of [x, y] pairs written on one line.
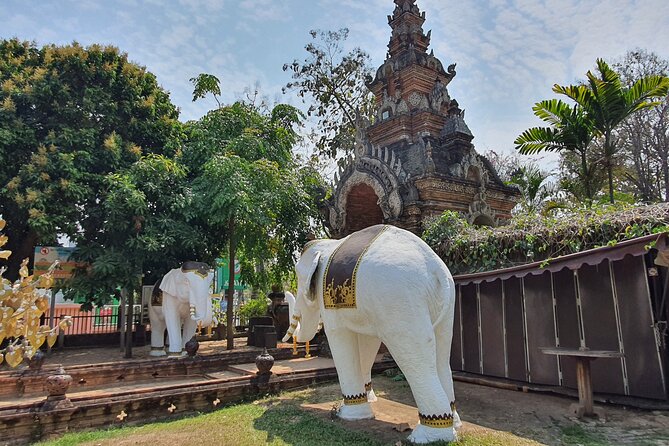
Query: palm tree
[[570, 129], [607, 103], [537, 191]]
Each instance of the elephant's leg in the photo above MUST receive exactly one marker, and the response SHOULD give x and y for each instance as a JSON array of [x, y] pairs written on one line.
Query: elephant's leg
[[368, 347], [444, 334], [157, 337], [173, 323], [190, 327], [415, 354], [346, 355]]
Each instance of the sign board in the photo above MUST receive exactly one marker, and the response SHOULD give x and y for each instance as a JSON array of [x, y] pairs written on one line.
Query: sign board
[[46, 255], [223, 275]]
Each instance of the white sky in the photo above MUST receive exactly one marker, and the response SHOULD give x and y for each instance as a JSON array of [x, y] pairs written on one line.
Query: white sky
[[509, 53]]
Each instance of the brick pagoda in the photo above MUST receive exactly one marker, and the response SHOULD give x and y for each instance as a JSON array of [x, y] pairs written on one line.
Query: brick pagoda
[[417, 159]]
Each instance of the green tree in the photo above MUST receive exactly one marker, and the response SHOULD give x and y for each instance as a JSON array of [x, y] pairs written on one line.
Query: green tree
[[250, 189], [571, 130], [336, 83], [644, 136], [150, 225], [538, 192], [607, 103], [70, 115]]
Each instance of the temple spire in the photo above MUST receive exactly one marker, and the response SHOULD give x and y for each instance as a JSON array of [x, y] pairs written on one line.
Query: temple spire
[[407, 25]]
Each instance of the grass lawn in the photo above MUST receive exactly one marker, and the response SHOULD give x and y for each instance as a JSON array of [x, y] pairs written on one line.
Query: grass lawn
[[279, 420]]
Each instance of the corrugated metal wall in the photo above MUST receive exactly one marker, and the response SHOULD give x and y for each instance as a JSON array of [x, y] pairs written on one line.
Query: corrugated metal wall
[[501, 324]]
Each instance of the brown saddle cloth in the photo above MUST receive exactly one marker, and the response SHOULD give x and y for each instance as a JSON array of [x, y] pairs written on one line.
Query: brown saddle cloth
[[157, 294], [340, 272], [199, 268]]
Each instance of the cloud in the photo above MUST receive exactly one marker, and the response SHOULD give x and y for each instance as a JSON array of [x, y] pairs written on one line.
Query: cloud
[[509, 52]]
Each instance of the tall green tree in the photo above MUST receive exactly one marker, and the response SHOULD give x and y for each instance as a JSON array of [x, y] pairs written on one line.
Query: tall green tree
[[150, 226], [70, 115], [607, 103], [335, 81], [570, 130], [250, 188], [644, 136]]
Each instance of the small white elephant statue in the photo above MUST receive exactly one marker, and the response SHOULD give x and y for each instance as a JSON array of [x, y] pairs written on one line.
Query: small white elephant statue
[[179, 302], [382, 284]]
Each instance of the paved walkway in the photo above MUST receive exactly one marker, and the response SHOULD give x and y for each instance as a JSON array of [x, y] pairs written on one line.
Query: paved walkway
[[90, 356], [97, 355]]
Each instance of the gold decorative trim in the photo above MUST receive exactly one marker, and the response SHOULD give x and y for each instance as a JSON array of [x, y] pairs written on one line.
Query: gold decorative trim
[[437, 421], [355, 399], [297, 318], [368, 387]]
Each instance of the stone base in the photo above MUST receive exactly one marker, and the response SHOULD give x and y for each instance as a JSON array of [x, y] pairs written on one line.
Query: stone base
[[579, 410], [157, 352], [56, 402]]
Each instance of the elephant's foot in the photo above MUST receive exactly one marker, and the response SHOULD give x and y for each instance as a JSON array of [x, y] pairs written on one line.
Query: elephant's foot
[[371, 396], [157, 351], [355, 411], [424, 434]]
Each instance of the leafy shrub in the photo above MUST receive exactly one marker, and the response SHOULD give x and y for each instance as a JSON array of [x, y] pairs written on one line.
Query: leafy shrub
[[530, 238], [253, 308]]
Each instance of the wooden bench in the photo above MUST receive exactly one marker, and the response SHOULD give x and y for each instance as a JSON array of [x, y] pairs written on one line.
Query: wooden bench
[[583, 356]]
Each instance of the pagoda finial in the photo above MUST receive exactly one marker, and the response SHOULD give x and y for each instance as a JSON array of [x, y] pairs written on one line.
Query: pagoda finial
[[407, 24]]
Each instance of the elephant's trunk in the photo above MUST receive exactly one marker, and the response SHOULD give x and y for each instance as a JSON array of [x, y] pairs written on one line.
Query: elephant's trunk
[[293, 326], [205, 318]]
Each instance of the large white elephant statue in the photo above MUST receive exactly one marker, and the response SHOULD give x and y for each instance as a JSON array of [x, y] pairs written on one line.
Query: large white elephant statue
[[382, 284], [179, 302]]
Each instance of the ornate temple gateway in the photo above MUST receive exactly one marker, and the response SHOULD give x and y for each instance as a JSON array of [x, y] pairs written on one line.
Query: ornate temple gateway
[[416, 160]]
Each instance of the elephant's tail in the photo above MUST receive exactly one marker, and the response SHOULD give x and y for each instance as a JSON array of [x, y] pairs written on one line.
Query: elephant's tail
[[446, 289]]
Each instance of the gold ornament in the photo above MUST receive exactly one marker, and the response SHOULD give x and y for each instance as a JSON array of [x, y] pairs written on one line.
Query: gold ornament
[[65, 323], [6, 313], [23, 271], [37, 339], [14, 356], [51, 338], [46, 281], [28, 352], [42, 303], [21, 307]]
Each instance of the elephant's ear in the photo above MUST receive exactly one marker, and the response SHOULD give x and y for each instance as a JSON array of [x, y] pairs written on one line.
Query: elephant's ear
[[174, 283], [311, 276]]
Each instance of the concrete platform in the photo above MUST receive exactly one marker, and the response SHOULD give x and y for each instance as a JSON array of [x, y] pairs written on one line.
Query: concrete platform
[[288, 366], [388, 414]]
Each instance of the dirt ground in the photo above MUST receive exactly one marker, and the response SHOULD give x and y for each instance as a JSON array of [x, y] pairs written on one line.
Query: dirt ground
[[529, 418]]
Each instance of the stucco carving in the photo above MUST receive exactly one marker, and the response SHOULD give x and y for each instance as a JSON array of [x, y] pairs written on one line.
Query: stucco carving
[[480, 208], [390, 200]]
